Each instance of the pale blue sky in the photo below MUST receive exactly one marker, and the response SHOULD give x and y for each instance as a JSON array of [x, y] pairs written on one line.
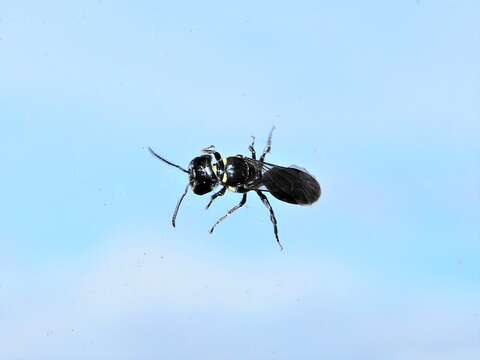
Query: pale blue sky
[[379, 101]]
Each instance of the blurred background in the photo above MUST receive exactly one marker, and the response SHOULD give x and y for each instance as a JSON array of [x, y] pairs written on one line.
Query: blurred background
[[380, 101]]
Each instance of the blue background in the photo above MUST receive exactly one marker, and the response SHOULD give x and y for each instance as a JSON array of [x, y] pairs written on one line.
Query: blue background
[[380, 101]]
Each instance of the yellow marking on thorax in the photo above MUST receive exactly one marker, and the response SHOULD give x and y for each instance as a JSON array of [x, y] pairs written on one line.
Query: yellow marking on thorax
[[232, 188], [225, 177]]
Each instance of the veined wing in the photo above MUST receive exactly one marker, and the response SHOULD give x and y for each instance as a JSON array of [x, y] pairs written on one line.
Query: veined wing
[[290, 184]]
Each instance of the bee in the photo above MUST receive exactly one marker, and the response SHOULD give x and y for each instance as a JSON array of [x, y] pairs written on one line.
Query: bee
[[242, 174]]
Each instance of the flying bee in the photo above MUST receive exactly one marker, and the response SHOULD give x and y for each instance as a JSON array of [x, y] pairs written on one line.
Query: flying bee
[[242, 174]]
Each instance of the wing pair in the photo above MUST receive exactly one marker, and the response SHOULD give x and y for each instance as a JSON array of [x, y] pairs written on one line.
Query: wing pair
[[290, 184]]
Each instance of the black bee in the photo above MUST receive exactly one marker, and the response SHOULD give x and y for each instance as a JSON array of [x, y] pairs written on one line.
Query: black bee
[[242, 174]]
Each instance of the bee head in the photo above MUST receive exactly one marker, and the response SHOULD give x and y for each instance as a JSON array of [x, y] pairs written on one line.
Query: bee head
[[202, 177]]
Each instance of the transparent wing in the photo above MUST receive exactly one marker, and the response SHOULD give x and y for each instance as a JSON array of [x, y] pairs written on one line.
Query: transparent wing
[[290, 184]]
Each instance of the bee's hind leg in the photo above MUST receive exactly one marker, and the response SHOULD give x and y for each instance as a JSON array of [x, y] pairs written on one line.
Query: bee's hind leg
[[269, 145]]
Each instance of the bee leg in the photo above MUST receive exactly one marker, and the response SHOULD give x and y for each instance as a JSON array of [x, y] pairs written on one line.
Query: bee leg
[[209, 148], [269, 145], [252, 148], [211, 151], [242, 202], [174, 217], [217, 194], [272, 216]]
